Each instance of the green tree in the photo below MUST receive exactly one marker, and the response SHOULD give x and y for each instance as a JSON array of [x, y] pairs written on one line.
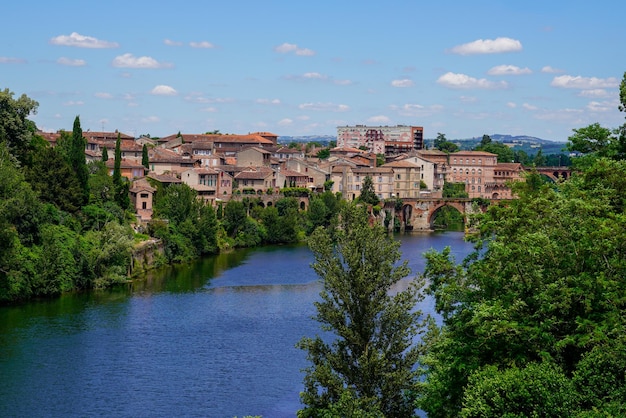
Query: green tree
[[145, 159], [380, 160], [234, 217], [442, 144], [368, 195], [77, 159], [55, 180], [317, 214], [15, 129], [591, 139], [454, 190], [121, 186], [545, 284], [323, 154], [622, 94], [117, 162], [539, 160], [372, 360], [504, 153], [486, 139], [105, 155], [536, 390]]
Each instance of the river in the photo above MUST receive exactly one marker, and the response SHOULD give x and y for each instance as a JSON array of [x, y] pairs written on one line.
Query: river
[[214, 338]]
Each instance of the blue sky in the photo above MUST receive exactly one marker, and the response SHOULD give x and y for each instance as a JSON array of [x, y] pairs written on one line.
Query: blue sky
[[539, 68]]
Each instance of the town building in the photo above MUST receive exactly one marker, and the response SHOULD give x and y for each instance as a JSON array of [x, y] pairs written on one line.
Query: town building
[[388, 140]]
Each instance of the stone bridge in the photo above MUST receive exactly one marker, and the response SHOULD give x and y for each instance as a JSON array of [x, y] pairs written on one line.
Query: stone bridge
[[419, 214], [554, 173]]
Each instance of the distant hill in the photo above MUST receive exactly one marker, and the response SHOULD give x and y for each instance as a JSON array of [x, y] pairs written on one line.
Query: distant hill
[[529, 144], [321, 139]]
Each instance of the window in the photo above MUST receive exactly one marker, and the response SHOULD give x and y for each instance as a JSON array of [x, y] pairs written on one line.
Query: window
[[398, 176], [380, 179], [144, 196], [144, 205], [380, 187], [397, 185], [479, 189]]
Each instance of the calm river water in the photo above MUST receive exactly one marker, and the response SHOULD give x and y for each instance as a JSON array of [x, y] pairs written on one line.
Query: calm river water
[[214, 338]]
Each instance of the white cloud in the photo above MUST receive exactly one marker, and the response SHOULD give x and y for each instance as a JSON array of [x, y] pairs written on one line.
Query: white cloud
[[379, 119], [210, 109], [462, 81], [71, 62], [130, 61], [305, 52], [163, 90], [342, 82], [268, 101], [10, 60], [511, 105], [594, 93], [529, 106], [169, 42], [325, 107], [584, 83], [150, 119], [220, 100], [82, 41], [559, 115], [104, 95], [74, 103], [416, 110], [488, 46], [314, 76], [468, 99], [285, 122], [605, 106], [550, 70], [508, 70], [203, 44], [287, 48], [403, 83]]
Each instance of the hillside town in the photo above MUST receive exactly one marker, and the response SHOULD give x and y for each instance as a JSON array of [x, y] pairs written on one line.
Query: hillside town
[[220, 166]]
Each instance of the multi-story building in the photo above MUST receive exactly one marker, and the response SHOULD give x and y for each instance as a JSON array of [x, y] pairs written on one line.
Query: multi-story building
[[388, 140], [348, 180], [406, 178]]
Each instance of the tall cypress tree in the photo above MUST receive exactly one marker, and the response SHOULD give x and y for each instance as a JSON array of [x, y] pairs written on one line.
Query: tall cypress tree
[[77, 159], [117, 166], [120, 184], [105, 155], [145, 160]]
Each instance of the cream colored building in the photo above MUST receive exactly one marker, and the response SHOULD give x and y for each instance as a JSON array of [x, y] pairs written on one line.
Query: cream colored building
[[348, 180], [406, 178]]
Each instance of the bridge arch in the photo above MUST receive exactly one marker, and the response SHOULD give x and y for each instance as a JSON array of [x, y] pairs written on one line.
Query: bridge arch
[[436, 208]]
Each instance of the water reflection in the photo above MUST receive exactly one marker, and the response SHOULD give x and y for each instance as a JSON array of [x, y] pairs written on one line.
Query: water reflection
[[212, 338]]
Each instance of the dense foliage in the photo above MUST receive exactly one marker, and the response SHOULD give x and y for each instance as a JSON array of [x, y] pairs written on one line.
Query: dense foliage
[[365, 365], [544, 290]]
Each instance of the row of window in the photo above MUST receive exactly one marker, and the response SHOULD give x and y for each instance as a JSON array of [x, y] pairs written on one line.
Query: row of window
[[467, 161], [467, 171]]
